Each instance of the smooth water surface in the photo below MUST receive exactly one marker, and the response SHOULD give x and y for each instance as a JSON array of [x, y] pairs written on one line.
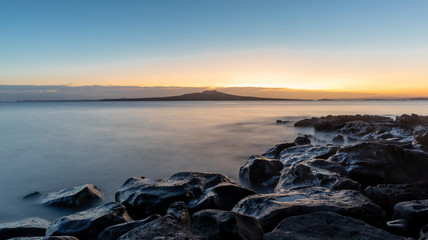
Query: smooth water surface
[[52, 145]]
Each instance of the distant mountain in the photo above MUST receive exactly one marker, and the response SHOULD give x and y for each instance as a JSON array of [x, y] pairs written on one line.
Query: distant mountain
[[208, 95]]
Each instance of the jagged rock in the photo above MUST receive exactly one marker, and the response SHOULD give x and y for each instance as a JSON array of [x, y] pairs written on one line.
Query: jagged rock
[[115, 231], [90, 223], [163, 228], [143, 197], [46, 238], [275, 151], [261, 171], [217, 224], [315, 173], [302, 140], [387, 195], [27, 227], [375, 163], [223, 196], [414, 212], [306, 152], [71, 197], [270, 209], [338, 139], [326, 225]]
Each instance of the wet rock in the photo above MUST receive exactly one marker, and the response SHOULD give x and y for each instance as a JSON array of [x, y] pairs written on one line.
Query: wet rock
[[387, 195], [398, 227], [178, 212], [90, 223], [277, 149], [326, 225], [163, 228], [46, 238], [338, 139], [272, 208], [223, 196], [216, 224], [315, 173], [28, 227], [115, 231], [261, 171], [143, 197], [71, 197], [302, 140], [375, 163], [306, 152], [414, 212]]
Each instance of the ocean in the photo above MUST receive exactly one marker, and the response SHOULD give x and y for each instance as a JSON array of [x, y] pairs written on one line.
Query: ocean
[[46, 146]]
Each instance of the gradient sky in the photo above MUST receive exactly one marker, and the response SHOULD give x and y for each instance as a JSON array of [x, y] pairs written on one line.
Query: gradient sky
[[375, 46]]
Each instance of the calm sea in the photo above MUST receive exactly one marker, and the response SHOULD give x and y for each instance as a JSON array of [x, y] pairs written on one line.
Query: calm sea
[[49, 146]]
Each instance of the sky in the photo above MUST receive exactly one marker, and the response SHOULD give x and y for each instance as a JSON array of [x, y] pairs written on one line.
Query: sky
[[365, 46]]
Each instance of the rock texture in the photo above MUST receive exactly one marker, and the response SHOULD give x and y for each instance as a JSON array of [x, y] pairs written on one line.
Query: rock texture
[[90, 223], [326, 225], [28, 227], [218, 225], [261, 172], [115, 231], [71, 197]]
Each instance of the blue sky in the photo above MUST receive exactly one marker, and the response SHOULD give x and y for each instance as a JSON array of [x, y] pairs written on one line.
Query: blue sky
[[50, 34]]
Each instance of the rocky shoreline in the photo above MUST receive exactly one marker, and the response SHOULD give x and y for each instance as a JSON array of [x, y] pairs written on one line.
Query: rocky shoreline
[[370, 181]]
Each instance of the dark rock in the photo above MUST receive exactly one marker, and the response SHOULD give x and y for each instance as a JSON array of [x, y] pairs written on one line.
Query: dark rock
[[115, 231], [163, 228], [216, 224], [302, 140], [306, 152], [261, 171], [272, 208], [315, 173], [326, 225], [223, 196], [387, 195], [28, 227], [305, 122], [277, 149], [32, 195], [143, 197], [90, 223], [414, 212], [406, 121], [178, 212], [375, 163], [282, 121], [422, 140], [46, 238], [338, 139], [71, 197]]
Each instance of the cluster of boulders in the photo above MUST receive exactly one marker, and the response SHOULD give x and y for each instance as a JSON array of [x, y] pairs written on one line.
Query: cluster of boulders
[[373, 187]]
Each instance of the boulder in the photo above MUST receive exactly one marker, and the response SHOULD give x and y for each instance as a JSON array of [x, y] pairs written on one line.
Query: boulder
[[217, 224], [71, 197], [304, 140], [272, 208], [163, 228], [28, 227], [90, 223], [143, 197], [422, 140], [410, 122], [223, 196], [315, 173], [414, 212], [338, 139], [277, 149], [387, 195], [374, 163], [326, 225], [306, 152], [115, 231], [261, 172]]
